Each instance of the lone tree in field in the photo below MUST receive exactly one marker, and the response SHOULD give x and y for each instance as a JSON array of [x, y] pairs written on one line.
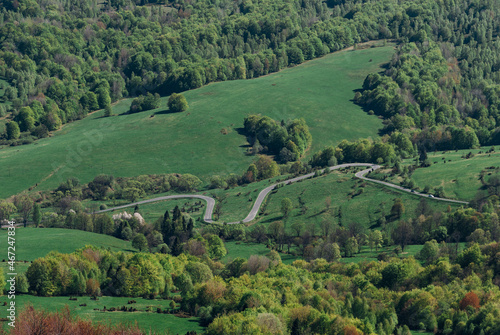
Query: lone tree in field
[[177, 103]]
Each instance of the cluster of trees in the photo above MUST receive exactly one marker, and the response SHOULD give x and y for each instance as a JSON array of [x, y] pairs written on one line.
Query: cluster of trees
[[287, 140], [428, 93], [145, 103], [175, 230], [106, 187], [41, 114], [365, 151], [441, 89], [78, 58], [93, 272]]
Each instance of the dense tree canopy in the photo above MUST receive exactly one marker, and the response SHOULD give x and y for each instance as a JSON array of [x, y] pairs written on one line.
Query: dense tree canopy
[[288, 140]]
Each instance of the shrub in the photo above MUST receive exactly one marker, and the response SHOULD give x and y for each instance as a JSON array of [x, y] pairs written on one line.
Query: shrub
[[177, 103]]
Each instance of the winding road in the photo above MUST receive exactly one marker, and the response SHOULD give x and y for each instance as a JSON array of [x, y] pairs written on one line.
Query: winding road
[[262, 195]]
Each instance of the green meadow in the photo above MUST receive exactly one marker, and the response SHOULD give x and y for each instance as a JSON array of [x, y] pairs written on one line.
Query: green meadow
[[32, 243], [204, 140], [359, 202]]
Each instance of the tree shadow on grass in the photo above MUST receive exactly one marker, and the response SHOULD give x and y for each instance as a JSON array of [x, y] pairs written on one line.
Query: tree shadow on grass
[[165, 111], [316, 214], [241, 131], [271, 219], [158, 112]]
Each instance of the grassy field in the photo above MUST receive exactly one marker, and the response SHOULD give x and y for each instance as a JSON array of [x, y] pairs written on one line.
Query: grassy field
[[458, 176], [193, 142], [32, 243], [359, 202], [162, 323]]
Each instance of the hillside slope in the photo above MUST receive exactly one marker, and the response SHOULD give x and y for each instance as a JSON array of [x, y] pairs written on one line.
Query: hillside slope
[[193, 142]]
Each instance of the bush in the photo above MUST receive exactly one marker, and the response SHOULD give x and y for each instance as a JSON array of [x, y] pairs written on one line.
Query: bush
[[177, 103], [41, 131]]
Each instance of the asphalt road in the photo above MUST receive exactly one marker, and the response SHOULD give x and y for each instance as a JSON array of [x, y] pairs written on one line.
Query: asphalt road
[[262, 195]]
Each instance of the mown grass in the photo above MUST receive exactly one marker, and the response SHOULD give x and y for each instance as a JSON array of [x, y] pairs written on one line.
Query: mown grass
[[32, 243], [320, 91], [459, 177], [160, 323]]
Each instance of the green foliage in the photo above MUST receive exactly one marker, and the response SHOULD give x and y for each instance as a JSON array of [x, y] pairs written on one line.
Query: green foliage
[[145, 103], [139, 242], [177, 103], [199, 272], [6, 210], [286, 207], [13, 131], [289, 140], [364, 151], [103, 97], [470, 255], [52, 121], [216, 248], [2, 281], [26, 119], [267, 168], [429, 252], [37, 215]]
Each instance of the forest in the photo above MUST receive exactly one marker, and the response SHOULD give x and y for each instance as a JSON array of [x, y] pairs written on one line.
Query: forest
[[263, 295], [442, 86]]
